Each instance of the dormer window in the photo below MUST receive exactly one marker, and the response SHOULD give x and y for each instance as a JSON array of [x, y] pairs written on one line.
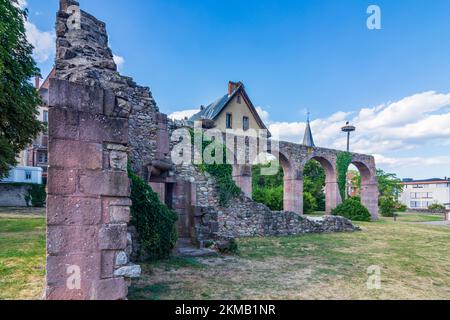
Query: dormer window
[[229, 121]]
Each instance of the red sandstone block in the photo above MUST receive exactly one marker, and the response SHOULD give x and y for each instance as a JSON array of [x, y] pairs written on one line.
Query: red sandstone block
[[65, 94], [107, 264], [110, 289], [75, 154], [113, 237], [61, 293], [73, 211], [116, 210], [63, 123], [64, 269], [105, 183], [61, 182], [71, 239], [100, 128]]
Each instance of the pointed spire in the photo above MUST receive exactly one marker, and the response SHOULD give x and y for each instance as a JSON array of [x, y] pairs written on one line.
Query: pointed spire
[[308, 139]]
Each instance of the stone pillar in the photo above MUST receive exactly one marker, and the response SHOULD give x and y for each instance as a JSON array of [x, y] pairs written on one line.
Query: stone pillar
[[242, 176], [88, 205], [369, 198], [332, 194], [293, 195]]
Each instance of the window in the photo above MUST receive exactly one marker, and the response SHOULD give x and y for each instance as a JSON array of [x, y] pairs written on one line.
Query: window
[[418, 186], [28, 175], [45, 116], [245, 123], [229, 121], [414, 204], [43, 158], [238, 99]]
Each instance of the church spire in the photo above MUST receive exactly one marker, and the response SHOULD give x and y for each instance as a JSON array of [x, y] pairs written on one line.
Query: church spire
[[308, 139]]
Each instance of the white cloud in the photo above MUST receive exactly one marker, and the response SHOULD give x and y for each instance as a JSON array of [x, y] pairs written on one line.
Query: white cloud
[[120, 61], [44, 42], [263, 114], [180, 115], [22, 4], [411, 161]]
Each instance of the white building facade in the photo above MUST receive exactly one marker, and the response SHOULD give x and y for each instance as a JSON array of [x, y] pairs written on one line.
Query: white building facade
[[31, 175], [420, 194]]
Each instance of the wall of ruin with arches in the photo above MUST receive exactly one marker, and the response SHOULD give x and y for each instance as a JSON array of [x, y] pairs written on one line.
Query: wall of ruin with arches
[[98, 120]]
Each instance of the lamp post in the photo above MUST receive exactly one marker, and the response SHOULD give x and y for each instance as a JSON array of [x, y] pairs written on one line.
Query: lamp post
[[348, 129]]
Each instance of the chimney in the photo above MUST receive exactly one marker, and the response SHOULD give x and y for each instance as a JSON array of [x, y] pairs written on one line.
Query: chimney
[[233, 86], [37, 82]]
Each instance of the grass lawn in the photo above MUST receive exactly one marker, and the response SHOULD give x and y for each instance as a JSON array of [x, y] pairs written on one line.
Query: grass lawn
[[414, 261], [22, 253]]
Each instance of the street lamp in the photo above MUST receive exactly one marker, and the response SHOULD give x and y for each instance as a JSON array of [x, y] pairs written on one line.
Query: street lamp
[[348, 129]]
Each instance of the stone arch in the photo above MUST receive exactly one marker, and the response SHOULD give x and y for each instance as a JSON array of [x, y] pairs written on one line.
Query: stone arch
[[369, 185], [332, 196], [293, 185]]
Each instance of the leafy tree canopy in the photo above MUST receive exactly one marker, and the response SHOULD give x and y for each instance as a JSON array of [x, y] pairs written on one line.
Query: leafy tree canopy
[[18, 98]]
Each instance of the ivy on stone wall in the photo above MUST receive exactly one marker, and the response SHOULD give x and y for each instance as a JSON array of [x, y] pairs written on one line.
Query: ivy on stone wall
[[343, 161], [153, 220], [36, 195], [222, 173]]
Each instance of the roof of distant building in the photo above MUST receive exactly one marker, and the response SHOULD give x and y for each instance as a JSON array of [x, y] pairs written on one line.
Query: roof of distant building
[[212, 111], [426, 181]]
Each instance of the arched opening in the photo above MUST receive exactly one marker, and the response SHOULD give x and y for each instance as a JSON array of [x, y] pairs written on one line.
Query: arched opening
[[278, 184], [320, 191], [362, 184]]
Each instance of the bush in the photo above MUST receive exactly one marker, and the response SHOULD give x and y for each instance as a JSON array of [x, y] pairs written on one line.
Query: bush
[[400, 207], [309, 203], [154, 221], [388, 206], [437, 208], [36, 196], [271, 197], [353, 210]]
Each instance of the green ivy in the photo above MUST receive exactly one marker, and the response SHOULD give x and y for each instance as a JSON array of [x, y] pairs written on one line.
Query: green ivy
[[344, 159], [36, 195], [222, 173], [153, 220]]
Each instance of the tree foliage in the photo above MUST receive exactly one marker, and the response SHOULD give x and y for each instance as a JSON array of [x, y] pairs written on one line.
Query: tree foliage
[[269, 189], [343, 161], [18, 98]]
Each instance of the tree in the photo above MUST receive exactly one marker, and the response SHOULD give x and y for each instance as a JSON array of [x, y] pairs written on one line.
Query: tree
[[18, 98], [269, 189]]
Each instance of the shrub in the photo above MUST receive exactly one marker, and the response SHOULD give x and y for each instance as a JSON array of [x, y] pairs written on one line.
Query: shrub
[[400, 207], [154, 221], [437, 208], [353, 210], [309, 203], [36, 195], [271, 197], [388, 206]]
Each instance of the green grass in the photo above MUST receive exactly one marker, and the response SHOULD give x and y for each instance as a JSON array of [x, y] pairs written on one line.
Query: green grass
[[413, 257], [22, 257]]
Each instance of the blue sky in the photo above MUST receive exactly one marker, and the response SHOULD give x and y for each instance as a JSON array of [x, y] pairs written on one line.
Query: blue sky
[[394, 83]]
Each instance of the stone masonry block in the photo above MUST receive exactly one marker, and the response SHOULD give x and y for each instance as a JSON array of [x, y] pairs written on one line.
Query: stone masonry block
[[63, 123], [113, 237], [110, 289], [106, 183], [65, 94], [71, 239], [60, 268], [61, 182], [100, 128], [73, 211], [76, 154], [107, 263]]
